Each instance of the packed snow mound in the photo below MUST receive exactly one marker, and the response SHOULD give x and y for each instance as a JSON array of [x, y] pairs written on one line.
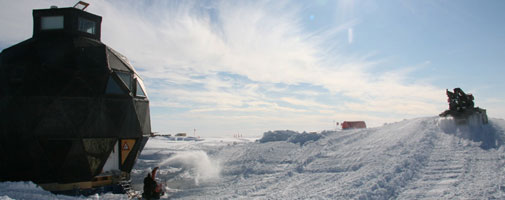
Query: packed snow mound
[[289, 136], [29, 190], [424, 158], [22, 190], [411, 159]]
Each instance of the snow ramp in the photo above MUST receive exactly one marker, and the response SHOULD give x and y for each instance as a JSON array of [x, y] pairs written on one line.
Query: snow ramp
[[421, 158]]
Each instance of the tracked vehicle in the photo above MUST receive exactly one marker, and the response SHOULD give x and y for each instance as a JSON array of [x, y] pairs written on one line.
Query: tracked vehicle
[[462, 108], [74, 113]]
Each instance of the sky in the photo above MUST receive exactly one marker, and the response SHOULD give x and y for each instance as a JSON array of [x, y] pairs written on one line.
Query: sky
[[224, 68]]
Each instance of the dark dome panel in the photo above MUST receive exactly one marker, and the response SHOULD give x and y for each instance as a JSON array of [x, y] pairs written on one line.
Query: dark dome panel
[[142, 109], [76, 165], [118, 61], [97, 150]]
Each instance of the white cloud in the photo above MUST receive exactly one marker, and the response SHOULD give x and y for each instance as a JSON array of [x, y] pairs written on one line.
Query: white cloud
[[306, 103], [182, 47]]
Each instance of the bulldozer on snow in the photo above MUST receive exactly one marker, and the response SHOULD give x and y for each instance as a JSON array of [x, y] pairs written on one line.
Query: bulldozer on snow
[[461, 108]]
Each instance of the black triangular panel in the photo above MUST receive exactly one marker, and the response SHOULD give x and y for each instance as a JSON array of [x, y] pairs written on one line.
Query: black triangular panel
[[76, 165], [56, 151], [142, 110], [97, 150]]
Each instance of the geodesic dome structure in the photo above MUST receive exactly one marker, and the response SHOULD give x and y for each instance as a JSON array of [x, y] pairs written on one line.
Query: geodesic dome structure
[[71, 107]]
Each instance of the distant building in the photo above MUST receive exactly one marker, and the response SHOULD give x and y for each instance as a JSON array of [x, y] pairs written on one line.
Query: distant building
[[181, 135], [353, 124]]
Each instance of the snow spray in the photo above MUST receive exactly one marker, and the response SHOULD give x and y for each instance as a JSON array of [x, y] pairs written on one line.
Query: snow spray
[[473, 130], [468, 128], [197, 162]]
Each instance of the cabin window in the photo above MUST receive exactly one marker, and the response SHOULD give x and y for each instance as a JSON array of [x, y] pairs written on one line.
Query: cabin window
[[126, 78], [140, 91], [87, 26], [51, 22], [113, 87]]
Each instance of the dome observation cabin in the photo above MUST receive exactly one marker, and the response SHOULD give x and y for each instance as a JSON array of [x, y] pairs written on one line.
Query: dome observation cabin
[[74, 113], [57, 22]]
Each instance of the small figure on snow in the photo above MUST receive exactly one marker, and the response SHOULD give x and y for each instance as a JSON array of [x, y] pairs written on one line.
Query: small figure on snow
[[152, 190]]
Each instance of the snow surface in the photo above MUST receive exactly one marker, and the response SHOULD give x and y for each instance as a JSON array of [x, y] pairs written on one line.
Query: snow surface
[[424, 158]]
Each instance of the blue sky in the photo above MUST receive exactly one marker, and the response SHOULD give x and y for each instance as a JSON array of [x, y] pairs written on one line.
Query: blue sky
[[228, 67]]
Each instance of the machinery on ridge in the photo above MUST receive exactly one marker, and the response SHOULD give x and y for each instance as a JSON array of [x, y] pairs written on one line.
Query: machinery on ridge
[[462, 107]]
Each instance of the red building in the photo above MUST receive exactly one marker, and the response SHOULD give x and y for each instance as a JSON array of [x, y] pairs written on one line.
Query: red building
[[353, 124]]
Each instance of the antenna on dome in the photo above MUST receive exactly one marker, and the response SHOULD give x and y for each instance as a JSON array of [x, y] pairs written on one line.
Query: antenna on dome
[[81, 5]]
